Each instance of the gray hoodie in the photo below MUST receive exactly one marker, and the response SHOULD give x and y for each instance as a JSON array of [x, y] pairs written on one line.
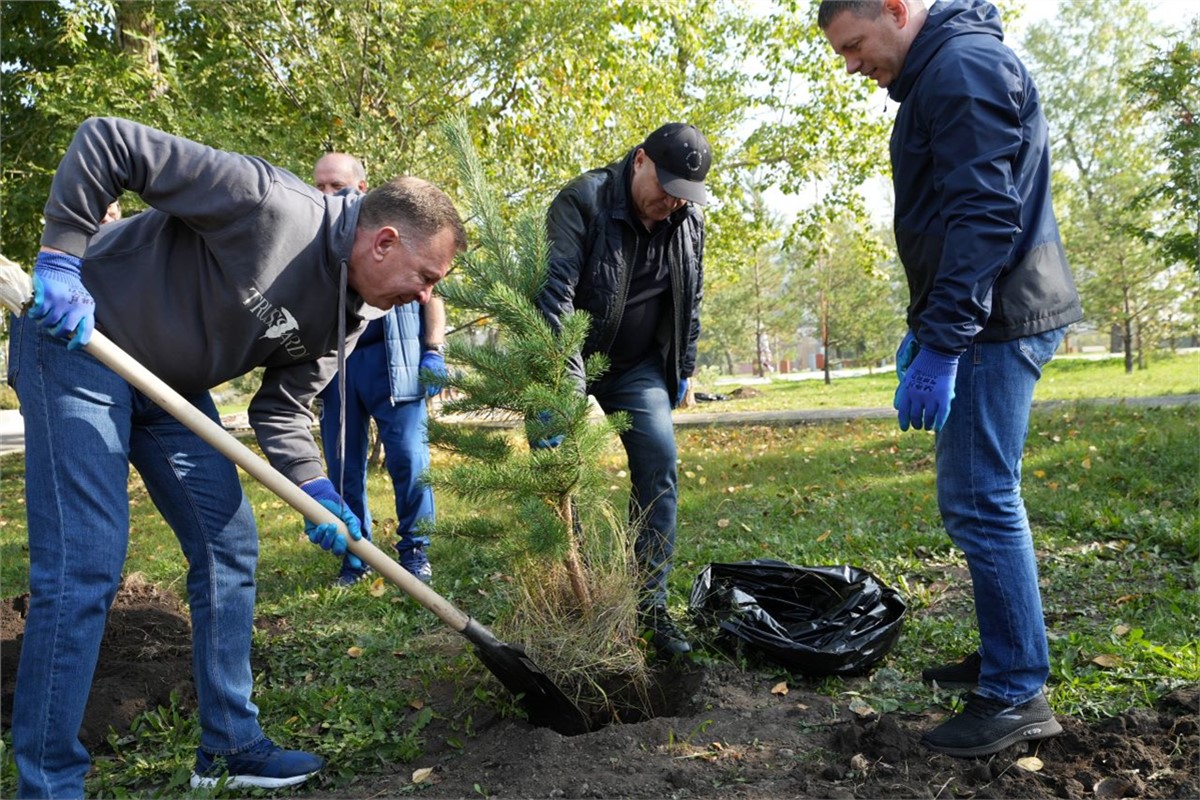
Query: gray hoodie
[[236, 265]]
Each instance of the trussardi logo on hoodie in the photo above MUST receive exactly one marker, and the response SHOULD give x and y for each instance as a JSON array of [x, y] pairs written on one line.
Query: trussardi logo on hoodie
[[281, 325]]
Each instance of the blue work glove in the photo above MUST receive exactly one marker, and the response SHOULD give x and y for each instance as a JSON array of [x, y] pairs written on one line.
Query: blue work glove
[[545, 418], [60, 302], [433, 363], [905, 353], [682, 393], [326, 534], [923, 397]]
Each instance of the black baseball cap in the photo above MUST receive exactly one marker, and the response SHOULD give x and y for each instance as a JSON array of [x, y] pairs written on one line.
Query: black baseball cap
[[681, 157]]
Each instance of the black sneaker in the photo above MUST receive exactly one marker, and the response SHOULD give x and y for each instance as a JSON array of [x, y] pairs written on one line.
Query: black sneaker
[[988, 726], [959, 675], [667, 639]]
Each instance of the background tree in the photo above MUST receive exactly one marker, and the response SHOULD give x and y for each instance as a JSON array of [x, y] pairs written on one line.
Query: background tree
[[1106, 161], [1168, 86], [845, 287]]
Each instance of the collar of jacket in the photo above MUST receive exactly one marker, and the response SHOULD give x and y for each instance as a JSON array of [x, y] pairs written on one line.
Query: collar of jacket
[[946, 20], [341, 219]]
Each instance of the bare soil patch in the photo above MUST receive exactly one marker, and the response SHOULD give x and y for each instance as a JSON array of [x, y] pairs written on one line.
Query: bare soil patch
[[727, 735]]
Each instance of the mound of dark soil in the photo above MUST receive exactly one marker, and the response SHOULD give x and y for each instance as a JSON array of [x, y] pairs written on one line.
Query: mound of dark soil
[[144, 656], [725, 733]]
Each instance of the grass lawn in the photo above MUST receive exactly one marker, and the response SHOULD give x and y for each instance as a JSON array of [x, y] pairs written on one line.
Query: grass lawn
[[1064, 379], [1112, 494]]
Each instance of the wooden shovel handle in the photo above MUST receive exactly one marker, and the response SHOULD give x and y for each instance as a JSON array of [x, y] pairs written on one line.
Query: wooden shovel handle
[[16, 293], [120, 362]]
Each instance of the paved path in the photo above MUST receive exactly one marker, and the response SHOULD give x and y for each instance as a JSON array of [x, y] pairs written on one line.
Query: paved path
[[12, 435]]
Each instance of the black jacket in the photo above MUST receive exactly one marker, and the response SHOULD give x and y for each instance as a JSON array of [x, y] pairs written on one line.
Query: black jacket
[[971, 166], [593, 242]]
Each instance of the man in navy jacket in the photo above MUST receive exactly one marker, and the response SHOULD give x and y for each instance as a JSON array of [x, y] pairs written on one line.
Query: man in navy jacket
[[990, 297]]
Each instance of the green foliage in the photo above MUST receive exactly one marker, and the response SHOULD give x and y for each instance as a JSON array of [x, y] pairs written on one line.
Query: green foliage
[[1107, 173], [1168, 86]]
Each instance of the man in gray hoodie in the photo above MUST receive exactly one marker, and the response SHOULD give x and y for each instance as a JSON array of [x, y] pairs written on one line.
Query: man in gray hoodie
[[236, 265]]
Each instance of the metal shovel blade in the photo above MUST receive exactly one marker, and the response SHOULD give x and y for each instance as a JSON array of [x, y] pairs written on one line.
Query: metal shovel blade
[[541, 698]]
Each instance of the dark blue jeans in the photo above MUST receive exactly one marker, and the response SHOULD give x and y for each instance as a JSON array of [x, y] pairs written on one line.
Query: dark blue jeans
[[641, 392], [84, 426], [979, 494], [405, 443]]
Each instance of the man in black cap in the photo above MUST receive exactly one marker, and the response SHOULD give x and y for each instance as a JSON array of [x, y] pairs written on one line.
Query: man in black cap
[[626, 245]]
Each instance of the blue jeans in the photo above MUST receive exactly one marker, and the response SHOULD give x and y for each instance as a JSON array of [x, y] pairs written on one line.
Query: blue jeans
[[979, 494], [405, 443], [641, 392], [84, 426]]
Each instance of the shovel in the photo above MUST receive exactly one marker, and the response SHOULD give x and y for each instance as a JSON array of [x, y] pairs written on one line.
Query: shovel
[[544, 702]]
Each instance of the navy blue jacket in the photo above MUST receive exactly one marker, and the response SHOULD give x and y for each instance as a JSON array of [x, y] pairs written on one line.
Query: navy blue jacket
[[971, 166], [593, 247]]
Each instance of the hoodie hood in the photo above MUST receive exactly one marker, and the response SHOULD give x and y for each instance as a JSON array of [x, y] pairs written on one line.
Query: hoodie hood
[[946, 20]]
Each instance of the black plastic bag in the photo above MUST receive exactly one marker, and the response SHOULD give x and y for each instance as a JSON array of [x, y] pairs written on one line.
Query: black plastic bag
[[815, 620]]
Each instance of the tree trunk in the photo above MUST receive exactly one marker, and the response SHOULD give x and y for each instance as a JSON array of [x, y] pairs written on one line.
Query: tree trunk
[[1128, 337], [579, 587], [136, 34]]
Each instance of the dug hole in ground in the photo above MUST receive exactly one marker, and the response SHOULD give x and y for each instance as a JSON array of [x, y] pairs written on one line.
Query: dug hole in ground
[[731, 733]]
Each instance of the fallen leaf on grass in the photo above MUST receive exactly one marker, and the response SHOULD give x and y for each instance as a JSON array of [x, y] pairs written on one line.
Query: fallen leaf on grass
[[354, 652], [417, 704], [1030, 763], [422, 775], [378, 588], [722, 523], [1107, 661], [862, 708], [1121, 630], [780, 688]]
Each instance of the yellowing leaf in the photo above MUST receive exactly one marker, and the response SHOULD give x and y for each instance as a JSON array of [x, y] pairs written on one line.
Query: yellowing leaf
[[354, 652], [780, 688], [861, 707], [378, 588], [1039, 473], [1121, 629], [1086, 463], [1030, 763], [1107, 661], [422, 775], [824, 536], [417, 704]]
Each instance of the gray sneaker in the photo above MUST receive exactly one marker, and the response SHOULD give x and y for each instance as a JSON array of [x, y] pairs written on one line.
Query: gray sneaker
[[988, 726]]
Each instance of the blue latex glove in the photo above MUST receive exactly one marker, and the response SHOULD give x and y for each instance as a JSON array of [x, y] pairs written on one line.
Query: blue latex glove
[[433, 372], [923, 397], [683, 384], [326, 534], [905, 353], [545, 418], [60, 302]]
